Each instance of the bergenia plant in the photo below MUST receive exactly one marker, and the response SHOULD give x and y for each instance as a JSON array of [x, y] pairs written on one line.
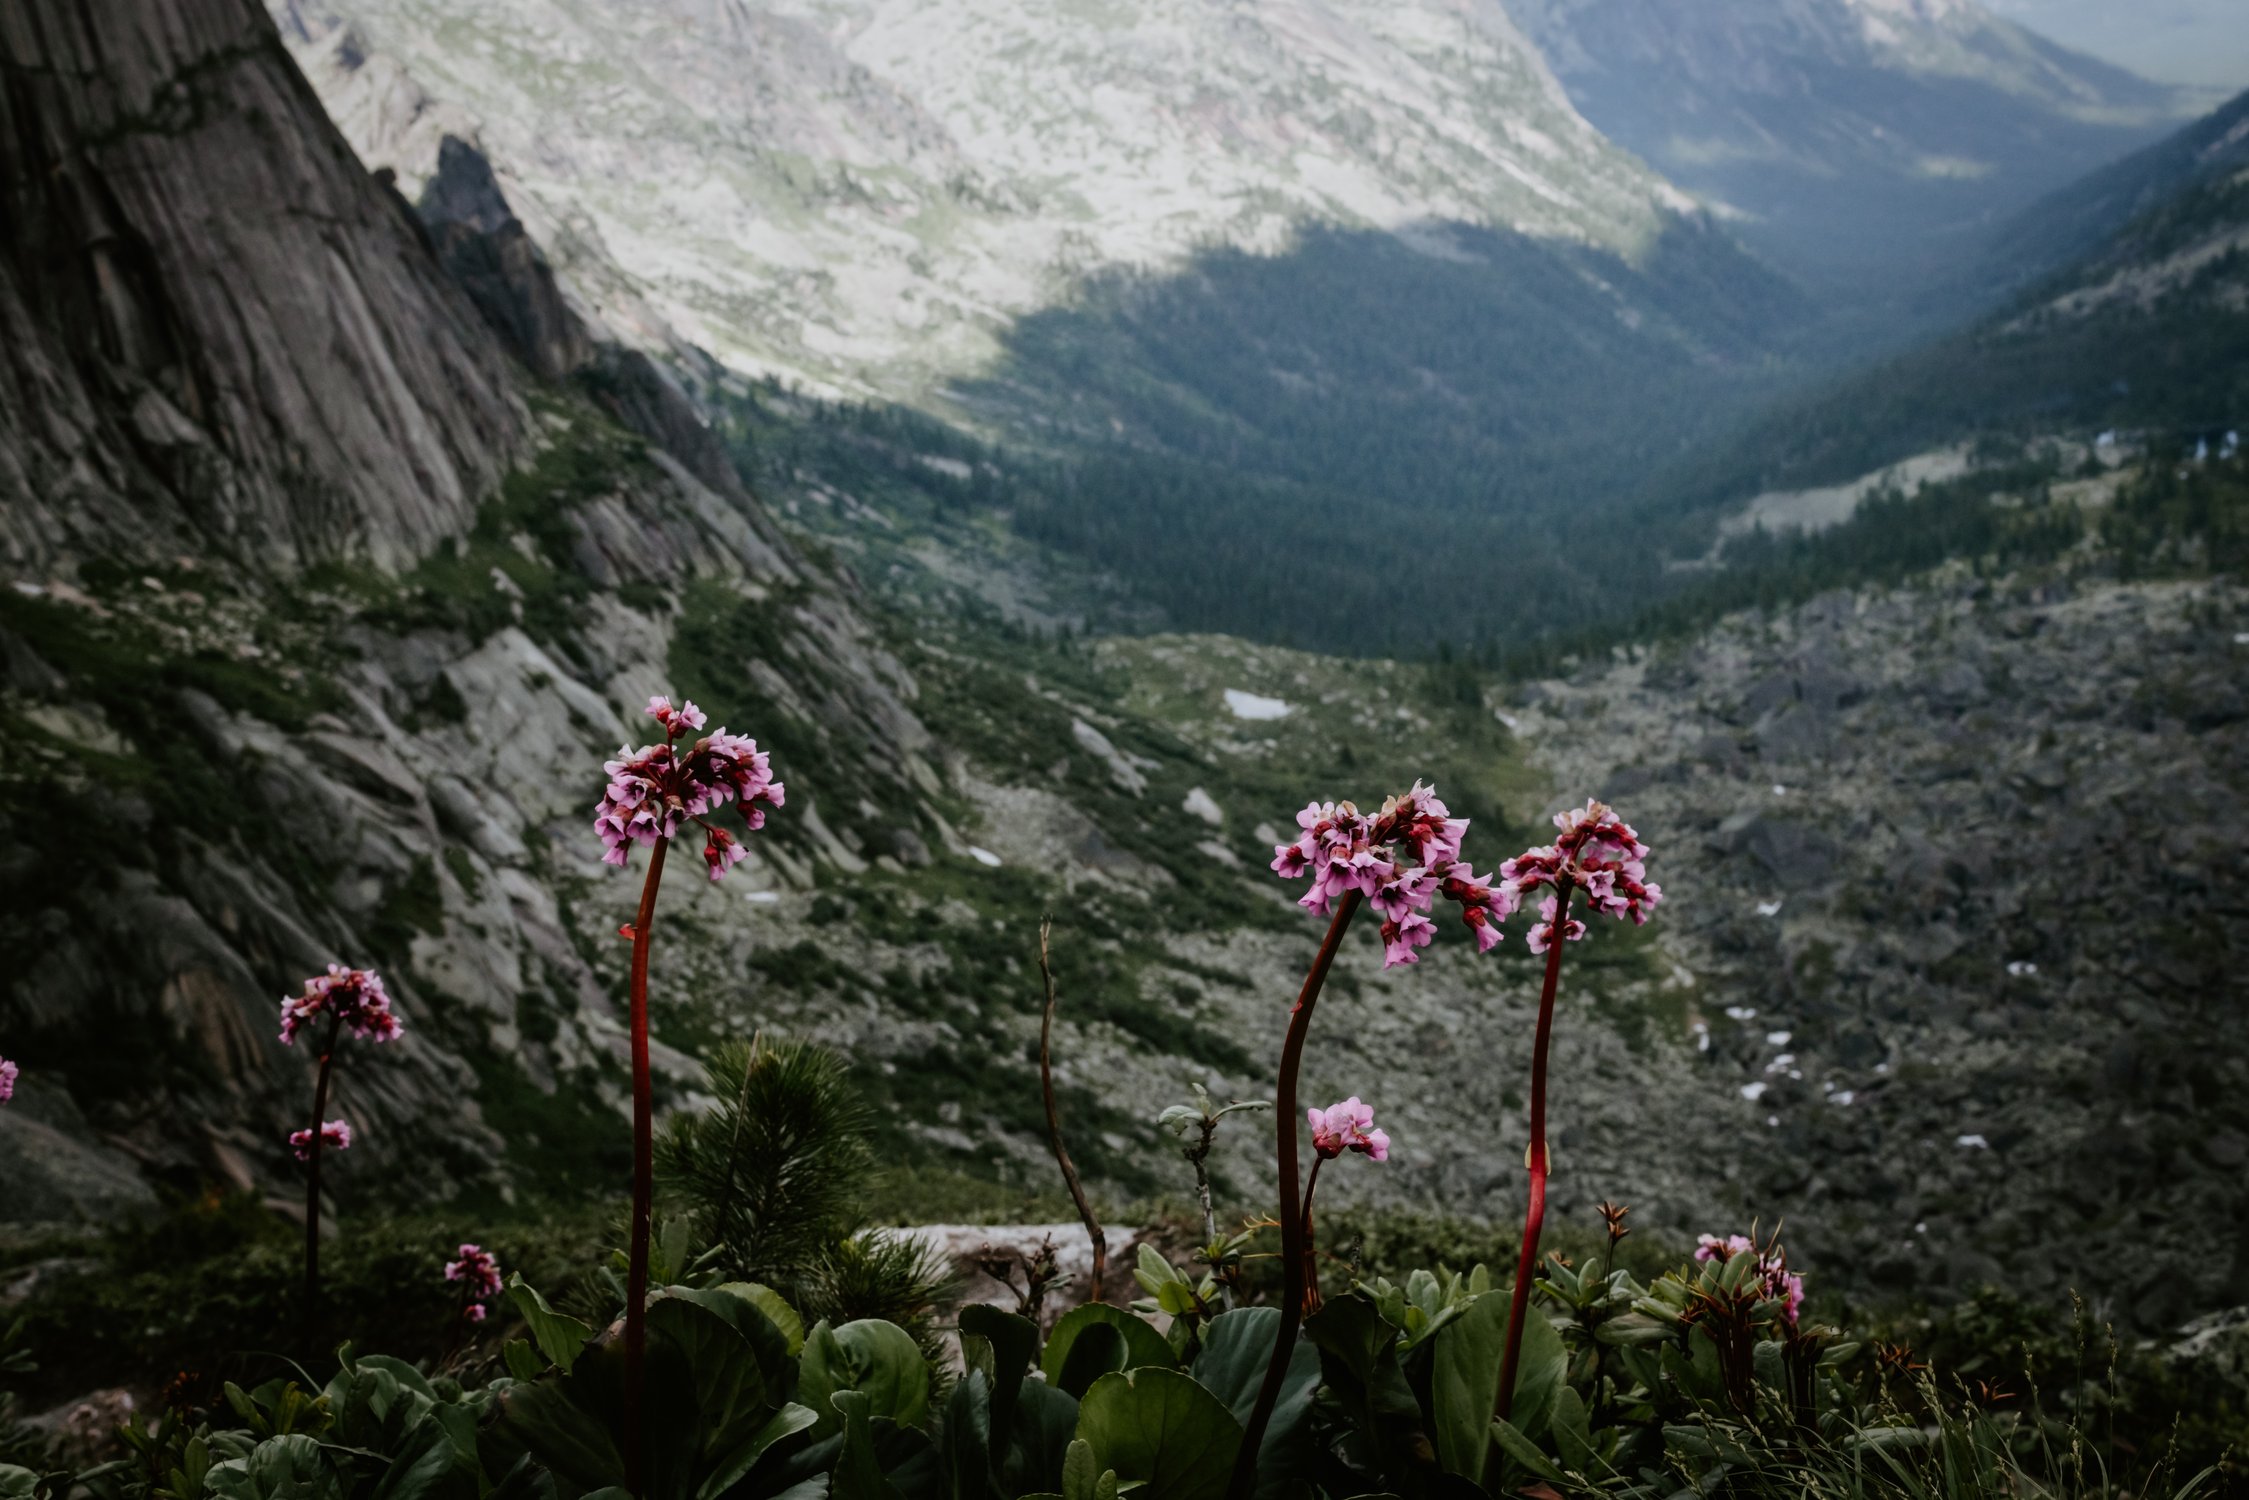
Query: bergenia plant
[[477, 1271], [653, 794], [352, 999], [1400, 860], [1339, 1128], [1598, 857]]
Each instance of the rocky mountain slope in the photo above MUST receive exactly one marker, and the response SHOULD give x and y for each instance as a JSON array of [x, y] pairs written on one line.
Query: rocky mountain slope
[[862, 195], [1863, 144], [316, 619]]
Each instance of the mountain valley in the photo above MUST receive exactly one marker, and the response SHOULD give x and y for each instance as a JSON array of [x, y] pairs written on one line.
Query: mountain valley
[[345, 541]]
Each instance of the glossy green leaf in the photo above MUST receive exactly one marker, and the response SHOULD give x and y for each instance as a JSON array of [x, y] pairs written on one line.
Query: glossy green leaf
[[727, 1468], [1046, 1422], [289, 1467], [1003, 1344], [1161, 1429], [1570, 1426], [1142, 1344], [775, 1307], [1464, 1364], [1237, 1347], [559, 1337], [879, 1359], [1542, 1371], [1098, 1350]]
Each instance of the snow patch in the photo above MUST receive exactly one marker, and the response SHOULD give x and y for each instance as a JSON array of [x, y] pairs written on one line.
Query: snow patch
[[983, 856], [1200, 804], [1256, 706]]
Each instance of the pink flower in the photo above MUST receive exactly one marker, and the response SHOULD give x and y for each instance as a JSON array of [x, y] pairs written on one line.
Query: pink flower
[[687, 718], [354, 997], [478, 1271], [1775, 1281], [1789, 1287], [335, 1135], [1348, 1126], [654, 790], [1710, 1247], [1598, 854], [1400, 860], [722, 852], [1401, 937], [7, 1080]]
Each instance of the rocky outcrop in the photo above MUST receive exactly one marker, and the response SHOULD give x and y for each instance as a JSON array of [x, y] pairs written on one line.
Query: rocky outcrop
[[489, 253], [228, 354], [1963, 940], [217, 335]]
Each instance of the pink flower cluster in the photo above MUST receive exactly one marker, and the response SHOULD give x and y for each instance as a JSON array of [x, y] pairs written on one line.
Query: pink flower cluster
[[1348, 1126], [478, 1271], [1780, 1283], [654, 790], [335, 1135], [354, 997], [1597, 853], [1400, 860], [7, 1080]]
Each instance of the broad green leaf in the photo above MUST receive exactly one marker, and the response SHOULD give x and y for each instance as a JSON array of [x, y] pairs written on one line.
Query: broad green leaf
[[1005, 1343], [1464, 1364], [1098, 1350], [1046, 1422], [17, 1483], [289, 1467], [729, 1467], [1359, 1361], [522, 1362], [775, 1307], [1524, 1451], [1237, 1347], [966, 1458], [877, 1358], [1160, 1428], [1571, 1428], [815, 1488], [1542, 1371], [437, 1460], [1142, 1344], [858, 1473], [559, 1337], [725, 1384]]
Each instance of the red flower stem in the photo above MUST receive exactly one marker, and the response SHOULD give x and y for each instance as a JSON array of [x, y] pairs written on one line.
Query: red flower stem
[[312, 1190], [644, 1170], [1526, 1266], [1287, 1118], [1311, 1253]]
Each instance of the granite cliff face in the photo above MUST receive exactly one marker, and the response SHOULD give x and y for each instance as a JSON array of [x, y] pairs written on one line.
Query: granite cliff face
[[315, 629], [221, 337]]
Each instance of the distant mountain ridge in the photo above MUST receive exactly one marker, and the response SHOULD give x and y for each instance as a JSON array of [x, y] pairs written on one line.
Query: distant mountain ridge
[[2129, 308], [1862, 144]]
